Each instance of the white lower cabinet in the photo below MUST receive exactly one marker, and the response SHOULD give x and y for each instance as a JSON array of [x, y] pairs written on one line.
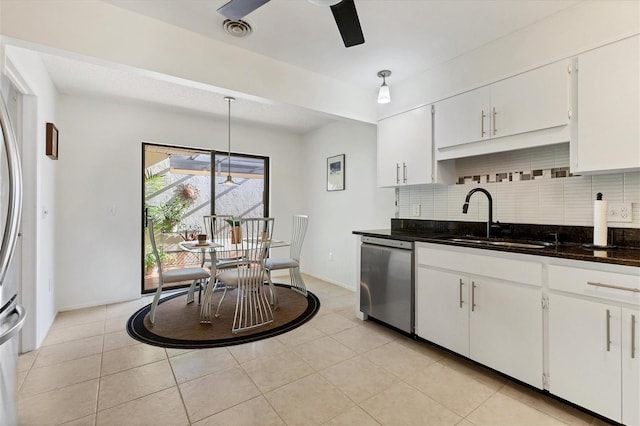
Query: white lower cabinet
[[505, 328], [487, 318], [630, 366], [593, 341], [442, 313], [583, 367]]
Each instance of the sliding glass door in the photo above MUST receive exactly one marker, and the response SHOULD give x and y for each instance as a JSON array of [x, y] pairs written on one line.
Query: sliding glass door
[[180, 186], [248, 197]]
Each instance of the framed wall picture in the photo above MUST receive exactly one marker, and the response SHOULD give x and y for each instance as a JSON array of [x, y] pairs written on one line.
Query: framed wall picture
[[335, 173], [52, 141]]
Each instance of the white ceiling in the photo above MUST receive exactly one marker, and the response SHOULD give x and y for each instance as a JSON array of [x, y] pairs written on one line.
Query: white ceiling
[[404, 36]]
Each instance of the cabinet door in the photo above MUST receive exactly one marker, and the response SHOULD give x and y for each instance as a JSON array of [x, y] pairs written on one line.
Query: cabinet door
[[534, 100], [416, 130], [630, 367], [404, 148], [442, 312], [388, 154], [505, 328], [609, 108], [583, 367], [462, 119]]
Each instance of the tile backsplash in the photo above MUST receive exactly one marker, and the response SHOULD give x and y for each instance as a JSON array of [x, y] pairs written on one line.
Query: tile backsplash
[[543, 199]]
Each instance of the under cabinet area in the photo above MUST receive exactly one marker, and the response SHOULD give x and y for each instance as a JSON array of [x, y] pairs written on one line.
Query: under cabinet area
[[608, 81], [405, 149], [486, 307], [594, 335], [536, 100]]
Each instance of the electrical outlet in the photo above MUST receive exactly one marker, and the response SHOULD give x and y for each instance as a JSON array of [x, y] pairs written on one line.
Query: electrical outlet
[[330, 256], [415, 210], [619, 212]]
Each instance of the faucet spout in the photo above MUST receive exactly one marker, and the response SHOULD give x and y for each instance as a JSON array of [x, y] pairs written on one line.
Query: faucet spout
[[465, 207]]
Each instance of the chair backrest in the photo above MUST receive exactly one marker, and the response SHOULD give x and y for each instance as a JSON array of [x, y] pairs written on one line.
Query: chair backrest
[[216, 227], [255, 238], [297, 237]]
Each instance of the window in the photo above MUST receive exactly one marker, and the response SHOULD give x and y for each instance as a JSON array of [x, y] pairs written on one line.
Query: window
[[179, 188]]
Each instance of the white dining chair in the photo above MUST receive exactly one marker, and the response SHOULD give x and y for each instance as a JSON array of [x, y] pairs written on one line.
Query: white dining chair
[[218, 231], [197, 276], [253, 308], [292, 263]]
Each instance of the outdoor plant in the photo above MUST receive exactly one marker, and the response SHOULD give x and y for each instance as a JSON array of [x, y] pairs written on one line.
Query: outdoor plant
[[150, 259], [171, 213]]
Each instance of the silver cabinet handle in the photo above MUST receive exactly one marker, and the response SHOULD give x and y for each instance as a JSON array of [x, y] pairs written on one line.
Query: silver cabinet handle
[[617, 287], [397, 173], [404, 172], [473, 296], [495, 130], [461, 284], [482, 117], [608, 330], [14, 201], [633, 336], [22, 315]]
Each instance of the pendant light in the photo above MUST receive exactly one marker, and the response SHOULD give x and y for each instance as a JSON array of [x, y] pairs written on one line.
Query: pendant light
[[384, 96], [229, 181]]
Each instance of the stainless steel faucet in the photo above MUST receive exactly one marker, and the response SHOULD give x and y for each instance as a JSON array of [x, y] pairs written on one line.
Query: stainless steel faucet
[[465, 207]]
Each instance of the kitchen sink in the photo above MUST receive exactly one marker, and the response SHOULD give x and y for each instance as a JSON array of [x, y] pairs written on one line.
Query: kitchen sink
[[513, 244]]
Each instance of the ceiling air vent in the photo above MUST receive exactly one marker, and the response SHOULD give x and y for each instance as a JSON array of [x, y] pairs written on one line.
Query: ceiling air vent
[[237, 28]]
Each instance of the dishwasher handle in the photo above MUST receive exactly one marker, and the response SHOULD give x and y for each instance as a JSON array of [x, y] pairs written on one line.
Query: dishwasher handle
[[385, 242]]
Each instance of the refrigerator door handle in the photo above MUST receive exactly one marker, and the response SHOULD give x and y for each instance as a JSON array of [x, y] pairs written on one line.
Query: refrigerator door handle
[[22, 315], [14, 209]]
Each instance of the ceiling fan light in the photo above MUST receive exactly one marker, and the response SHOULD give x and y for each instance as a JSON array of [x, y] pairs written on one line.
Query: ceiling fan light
[[384, 96]]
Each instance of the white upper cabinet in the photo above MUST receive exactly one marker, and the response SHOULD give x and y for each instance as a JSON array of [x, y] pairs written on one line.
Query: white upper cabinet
[[537, 100], [608, 136], [463, 118], [405, 148]]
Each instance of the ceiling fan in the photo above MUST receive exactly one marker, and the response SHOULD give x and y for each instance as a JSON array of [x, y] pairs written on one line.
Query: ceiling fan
[[344, 13]]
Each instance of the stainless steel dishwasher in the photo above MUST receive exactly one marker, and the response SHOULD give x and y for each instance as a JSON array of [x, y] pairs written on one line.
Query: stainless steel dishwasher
[[386, 282]]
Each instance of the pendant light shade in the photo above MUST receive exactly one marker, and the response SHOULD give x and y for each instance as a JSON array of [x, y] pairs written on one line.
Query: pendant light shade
[[229, 181], [384, 95]]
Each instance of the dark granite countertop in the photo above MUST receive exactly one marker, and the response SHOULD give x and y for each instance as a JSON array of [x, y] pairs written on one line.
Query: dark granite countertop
[[573, 241]]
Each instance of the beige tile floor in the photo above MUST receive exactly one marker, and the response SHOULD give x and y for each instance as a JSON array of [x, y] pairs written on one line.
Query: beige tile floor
[[334, 370]]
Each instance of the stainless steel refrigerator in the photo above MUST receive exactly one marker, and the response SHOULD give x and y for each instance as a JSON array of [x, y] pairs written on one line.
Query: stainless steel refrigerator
[[12, 314]]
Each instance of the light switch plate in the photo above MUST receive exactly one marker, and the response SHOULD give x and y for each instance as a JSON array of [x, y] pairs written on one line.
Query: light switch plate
[[619, 212], [415, 210]]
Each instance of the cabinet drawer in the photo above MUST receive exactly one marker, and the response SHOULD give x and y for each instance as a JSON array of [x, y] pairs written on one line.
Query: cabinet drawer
[[489, 266], [601, 284]]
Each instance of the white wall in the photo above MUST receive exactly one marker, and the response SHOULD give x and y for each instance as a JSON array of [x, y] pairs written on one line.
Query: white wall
[[39, 198], [334, 215], [98, 254], [100, 31]]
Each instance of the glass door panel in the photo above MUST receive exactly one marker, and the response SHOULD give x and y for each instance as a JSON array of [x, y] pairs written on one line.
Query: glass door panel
[[249, 197]]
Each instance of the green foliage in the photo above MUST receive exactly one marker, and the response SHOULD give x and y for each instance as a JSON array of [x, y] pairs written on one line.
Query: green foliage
[[171, 213]]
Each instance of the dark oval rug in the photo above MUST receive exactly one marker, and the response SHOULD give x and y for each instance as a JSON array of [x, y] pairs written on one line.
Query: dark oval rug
[[178, 324]]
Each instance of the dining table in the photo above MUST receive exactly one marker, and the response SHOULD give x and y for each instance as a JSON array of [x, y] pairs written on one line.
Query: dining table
[[213, 248]]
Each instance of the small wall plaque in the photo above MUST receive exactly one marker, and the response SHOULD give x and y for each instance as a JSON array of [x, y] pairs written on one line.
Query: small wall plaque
[[52, 141]]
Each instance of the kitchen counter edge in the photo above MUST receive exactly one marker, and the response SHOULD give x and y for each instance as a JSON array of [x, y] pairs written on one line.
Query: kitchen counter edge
[[618, 256]]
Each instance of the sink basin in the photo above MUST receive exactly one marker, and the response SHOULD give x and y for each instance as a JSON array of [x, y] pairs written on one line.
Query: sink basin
[[501, 243]]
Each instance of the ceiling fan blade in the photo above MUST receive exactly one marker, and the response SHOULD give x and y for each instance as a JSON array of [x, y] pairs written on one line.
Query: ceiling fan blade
[[348, 23], [238, 9]]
